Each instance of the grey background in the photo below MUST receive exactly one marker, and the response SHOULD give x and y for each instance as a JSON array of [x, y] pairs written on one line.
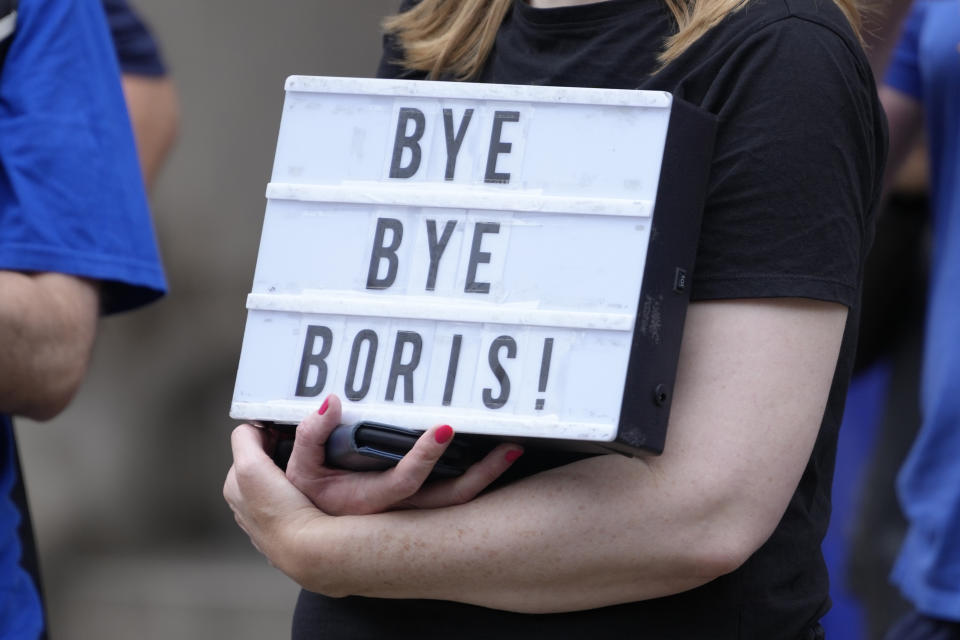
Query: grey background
[[125, 486]]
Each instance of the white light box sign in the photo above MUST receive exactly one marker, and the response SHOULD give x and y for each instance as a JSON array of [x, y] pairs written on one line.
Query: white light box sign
[[510, 260]]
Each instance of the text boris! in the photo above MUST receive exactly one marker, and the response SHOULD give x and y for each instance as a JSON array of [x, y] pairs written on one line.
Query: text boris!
[[404, 361]]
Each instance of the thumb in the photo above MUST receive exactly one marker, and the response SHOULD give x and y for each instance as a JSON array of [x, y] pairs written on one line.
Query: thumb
[[307, 457]]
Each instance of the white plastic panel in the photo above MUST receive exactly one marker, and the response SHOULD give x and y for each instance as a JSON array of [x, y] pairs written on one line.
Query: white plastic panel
[[533, 239]]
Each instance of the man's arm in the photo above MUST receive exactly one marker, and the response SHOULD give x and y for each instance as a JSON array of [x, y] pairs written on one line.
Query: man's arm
[[155, 116], [905, 117], [752, 385], [47, 327], [149, 92]]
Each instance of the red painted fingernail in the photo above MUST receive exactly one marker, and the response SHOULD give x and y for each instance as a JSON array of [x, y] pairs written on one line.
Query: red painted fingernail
[[513, 454], [443, 434], [324, 406]]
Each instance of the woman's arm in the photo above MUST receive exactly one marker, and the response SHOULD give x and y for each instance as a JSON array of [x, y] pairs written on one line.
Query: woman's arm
[[752, 385]]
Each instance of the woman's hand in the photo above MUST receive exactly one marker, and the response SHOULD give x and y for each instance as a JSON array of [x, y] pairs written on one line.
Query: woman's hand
[[339, 492], [264, 503], [276, 509]]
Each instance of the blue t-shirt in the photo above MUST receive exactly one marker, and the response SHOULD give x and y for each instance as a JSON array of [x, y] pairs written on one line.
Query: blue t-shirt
[[71, 201], [926, 66]]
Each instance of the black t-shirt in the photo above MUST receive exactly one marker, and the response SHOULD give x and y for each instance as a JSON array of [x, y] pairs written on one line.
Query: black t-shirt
[[789, 213]]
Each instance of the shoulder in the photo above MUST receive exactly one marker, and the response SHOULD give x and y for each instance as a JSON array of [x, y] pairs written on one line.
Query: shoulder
[[767, 17], [802, 66], [823, 14], [791, 61], [769, 46], [799, 153], [791, 32], [800, 34]]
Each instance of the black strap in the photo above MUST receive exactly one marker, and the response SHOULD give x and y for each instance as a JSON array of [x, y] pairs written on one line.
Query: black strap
[[7, 19], [28, 550]]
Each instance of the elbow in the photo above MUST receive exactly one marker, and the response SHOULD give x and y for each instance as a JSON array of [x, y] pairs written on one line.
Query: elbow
[[50, 381], [703, 561], [45, 410], [55, 390], [54, 404], [54, 331], [735, 534], [723, 555], [728, 531]]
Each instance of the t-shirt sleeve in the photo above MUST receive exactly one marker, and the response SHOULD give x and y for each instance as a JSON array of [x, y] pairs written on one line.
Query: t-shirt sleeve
[[797, 168], [137, 50], [71, 193], [904, 71]]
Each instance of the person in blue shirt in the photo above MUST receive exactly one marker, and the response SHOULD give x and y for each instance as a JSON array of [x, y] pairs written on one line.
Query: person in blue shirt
[[75, 236], [923, 86], [150, 94]]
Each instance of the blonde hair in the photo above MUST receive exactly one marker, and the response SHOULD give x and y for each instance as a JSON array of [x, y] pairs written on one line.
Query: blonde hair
[[454, 37]]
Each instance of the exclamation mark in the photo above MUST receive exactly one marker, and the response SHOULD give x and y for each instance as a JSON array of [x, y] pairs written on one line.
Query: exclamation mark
[[544, 369]]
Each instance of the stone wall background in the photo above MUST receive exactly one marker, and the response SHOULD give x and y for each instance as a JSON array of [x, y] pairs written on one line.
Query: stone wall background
[[125, 486]]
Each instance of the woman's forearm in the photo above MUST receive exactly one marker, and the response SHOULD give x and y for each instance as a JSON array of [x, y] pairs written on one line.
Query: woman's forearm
[[752, 383], [594, 533]]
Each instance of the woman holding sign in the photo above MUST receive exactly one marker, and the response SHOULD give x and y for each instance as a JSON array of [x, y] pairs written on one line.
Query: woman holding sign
[[719, 536]]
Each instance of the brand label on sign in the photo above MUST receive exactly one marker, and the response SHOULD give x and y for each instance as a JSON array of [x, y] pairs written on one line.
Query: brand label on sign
[[451, 252]]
